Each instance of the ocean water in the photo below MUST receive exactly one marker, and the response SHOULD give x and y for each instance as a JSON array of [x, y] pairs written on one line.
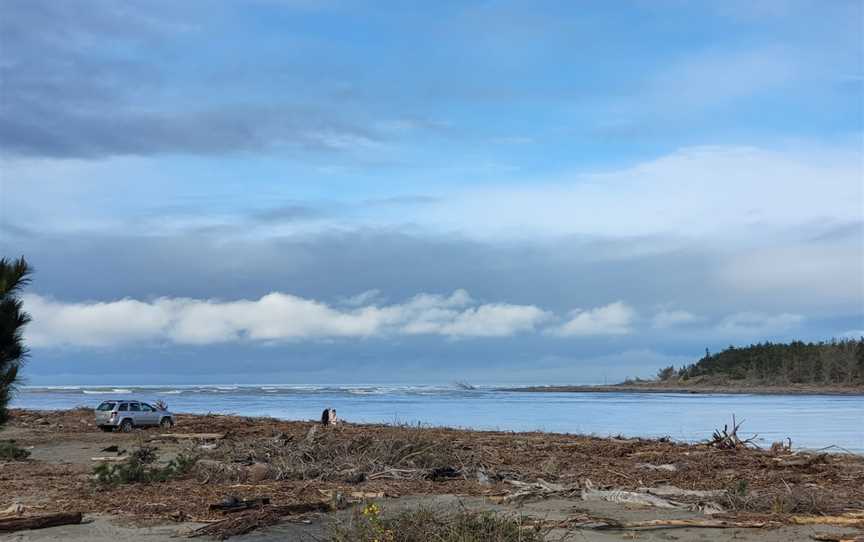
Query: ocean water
[[811, 421]]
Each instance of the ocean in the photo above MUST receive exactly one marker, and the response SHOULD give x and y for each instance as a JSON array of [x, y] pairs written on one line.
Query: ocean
[[811, 421]]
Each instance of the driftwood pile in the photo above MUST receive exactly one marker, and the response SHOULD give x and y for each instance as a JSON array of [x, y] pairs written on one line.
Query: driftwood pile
[[247, 515], [22, 523], [729, 440], [332, 455]]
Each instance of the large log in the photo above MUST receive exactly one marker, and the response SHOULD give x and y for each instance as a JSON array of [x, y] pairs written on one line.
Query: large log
[[193, 436], [669, 523], [851, 519], [233, 504], [8, 525]]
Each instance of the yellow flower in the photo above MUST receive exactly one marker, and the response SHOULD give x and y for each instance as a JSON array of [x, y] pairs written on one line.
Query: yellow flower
[[372, 510]]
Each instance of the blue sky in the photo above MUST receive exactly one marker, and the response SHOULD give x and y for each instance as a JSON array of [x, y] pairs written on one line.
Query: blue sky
[[310, 191]]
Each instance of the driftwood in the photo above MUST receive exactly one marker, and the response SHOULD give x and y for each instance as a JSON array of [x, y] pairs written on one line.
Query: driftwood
[[233, 504], [729, 440], [678, 523], [8, 525], [243, 523], [303, 508], [672, 491], [831, 537], [620, 496], [109, 458], [535, 490], [191, 436], [655, 496], [805, 461], [666, 467], [854, 520], [15, 509]]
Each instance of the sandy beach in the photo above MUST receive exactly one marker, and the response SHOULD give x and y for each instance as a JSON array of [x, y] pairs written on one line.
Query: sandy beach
[[564, 484]]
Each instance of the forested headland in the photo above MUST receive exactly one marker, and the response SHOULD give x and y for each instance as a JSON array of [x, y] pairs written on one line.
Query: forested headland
[[831, 363]]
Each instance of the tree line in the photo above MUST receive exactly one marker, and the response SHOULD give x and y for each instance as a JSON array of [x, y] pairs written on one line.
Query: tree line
[[835, 362]]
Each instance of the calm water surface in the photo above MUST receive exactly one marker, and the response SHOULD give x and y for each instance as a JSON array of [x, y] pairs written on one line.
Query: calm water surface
[[811, 421]]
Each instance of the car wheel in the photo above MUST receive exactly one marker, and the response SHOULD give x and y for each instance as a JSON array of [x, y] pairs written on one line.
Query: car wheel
[[126, 426], [166, 423]]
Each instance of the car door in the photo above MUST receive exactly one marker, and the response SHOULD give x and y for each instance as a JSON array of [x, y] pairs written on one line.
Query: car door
[[136, 414], [149, 414]]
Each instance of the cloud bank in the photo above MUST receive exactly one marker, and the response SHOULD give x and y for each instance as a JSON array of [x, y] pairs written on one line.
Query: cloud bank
[[274, 317], [613, 319], [278, 318]]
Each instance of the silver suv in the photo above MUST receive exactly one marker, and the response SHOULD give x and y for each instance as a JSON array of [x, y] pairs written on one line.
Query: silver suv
[[126, 414]]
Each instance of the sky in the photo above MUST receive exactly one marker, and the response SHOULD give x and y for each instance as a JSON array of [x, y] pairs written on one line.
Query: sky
[[324, 191]]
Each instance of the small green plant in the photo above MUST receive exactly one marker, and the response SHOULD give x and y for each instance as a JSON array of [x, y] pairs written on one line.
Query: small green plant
[[420, 525], [9, 451], [140, 468]]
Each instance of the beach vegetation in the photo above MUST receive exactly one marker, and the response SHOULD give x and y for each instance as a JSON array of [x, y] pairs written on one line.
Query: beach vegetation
[[370, 524], [9, 451], [141, 467], [14, 275], [666, 373]]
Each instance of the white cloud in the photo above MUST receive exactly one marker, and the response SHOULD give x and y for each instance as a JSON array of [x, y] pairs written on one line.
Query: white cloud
[[613, 319], [754, 324], [496, 320], [671, 318], [363, 298], [727, 192], [273, 317], [738, 192], [92, 324]]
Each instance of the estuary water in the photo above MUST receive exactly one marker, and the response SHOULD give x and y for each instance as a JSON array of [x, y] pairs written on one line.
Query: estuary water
[[811, 421]]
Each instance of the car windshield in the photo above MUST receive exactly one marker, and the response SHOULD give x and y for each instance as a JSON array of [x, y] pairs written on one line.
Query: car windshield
[[107, 405]]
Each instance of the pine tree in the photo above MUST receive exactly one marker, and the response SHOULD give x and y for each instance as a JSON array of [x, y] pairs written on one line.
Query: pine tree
[[14, 275], [859, 357]]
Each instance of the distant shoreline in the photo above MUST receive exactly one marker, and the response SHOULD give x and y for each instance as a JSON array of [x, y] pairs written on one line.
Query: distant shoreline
[[659, 388]]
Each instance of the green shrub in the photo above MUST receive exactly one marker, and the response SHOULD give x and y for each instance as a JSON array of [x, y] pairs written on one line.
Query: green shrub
[[139, 468], [424, 524], [9, 451]]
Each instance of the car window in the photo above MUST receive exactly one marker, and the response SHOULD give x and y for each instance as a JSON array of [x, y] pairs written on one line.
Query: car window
[[106, 406], [134, 407], [147, 408], [123, 407]]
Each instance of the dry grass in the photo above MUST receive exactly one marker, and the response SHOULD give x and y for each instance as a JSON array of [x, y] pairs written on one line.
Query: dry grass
[[424, 524], [328, 453], [784, 500]]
